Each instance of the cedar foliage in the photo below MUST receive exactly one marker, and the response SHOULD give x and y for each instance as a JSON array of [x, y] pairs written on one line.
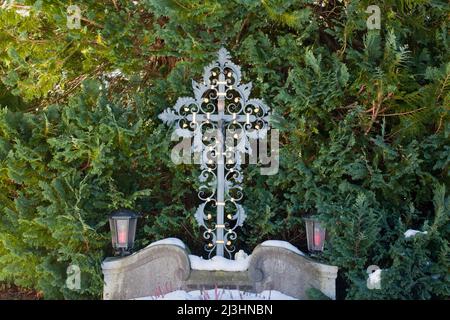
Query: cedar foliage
[[363, 117]]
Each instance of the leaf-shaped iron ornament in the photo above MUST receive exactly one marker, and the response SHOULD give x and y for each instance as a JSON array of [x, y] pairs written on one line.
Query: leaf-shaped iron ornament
[[221, 104]]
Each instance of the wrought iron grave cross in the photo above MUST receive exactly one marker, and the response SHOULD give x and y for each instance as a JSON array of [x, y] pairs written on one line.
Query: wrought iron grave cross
[[221, 119]]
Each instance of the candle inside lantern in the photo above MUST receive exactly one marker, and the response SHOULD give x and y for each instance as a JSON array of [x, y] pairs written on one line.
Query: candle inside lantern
[[317, 238], [122, 232]]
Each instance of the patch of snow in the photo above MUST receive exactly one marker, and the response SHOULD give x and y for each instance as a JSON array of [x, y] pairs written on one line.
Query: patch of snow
[[171, 241], [412, 233], [109, 76], [374, 280], [218, 263], [24, 12], [282, 244], [240, 255], [220, 294], [114, 74], [21, 10]]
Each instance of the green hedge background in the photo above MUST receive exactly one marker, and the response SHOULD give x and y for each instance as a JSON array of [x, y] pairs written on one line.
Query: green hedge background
[[363, 116]]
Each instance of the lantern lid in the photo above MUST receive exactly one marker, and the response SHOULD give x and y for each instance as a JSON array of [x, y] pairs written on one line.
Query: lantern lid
[[123, 213]]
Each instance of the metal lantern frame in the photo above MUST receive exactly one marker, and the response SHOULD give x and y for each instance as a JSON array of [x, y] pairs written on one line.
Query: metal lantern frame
[[315, 234], [123, 230]]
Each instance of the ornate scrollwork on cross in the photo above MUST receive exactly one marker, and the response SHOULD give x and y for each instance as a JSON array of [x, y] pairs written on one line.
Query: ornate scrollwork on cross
[[221, 119]]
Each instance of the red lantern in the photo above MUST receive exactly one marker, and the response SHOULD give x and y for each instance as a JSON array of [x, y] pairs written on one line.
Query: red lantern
[[123, 230], [315, 235]]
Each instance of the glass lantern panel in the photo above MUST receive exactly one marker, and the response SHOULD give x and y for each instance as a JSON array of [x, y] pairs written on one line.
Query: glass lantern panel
[[310, 234], [132, 232], [112, 226], [319, 236], [122, 233]]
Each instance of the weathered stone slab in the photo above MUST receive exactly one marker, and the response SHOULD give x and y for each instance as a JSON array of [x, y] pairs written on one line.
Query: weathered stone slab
[[151, 271], [200, 279], [162, 268], [274, 268]]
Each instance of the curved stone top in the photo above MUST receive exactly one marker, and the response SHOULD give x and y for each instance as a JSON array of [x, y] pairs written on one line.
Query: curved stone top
[[282, 244], [153, 251], [171, 241], [174, 246], [263, 252]]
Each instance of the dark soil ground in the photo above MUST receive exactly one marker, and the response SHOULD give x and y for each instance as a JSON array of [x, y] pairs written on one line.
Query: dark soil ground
[[12, 292]]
